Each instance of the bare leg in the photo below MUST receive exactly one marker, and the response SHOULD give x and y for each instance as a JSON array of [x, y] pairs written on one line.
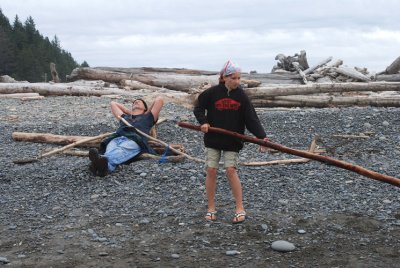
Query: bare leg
[[236, 187], [211, 187]]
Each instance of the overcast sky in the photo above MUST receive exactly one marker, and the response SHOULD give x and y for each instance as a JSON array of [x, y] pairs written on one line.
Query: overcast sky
[[204, 34]]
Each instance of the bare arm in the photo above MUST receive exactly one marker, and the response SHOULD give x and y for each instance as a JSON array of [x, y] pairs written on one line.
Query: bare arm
[[156, 106], [118, 109]]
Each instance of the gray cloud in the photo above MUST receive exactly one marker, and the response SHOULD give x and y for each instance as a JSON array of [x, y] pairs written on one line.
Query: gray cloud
[[204, 34]]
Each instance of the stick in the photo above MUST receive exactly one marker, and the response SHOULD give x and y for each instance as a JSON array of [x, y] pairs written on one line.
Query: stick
[[285, 161], [32, 160], [324, 159], [162, 143]]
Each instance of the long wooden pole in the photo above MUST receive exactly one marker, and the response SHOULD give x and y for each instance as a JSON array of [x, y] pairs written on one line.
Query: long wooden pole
[[324, 159], [162, 143]]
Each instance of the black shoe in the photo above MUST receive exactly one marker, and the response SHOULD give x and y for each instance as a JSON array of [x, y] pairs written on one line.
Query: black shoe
[[99, 165], [93, 169]]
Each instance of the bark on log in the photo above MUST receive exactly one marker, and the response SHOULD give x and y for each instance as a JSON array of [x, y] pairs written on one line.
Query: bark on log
[[323, 159], [286, 90]]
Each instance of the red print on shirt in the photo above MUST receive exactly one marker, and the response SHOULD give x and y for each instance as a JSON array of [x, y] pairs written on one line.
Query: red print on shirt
[[227, 104]]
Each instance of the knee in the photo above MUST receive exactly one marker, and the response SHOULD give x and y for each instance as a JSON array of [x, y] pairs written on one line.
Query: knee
[[212, 171], [230, 171]]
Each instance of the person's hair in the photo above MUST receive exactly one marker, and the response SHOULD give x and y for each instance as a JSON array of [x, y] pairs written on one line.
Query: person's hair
[[221, 79], [144, 103]]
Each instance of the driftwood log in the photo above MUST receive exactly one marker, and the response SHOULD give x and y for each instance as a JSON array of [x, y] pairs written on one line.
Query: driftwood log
[[22, 96], [351, 72], [88, 142], [173, 81], [144, 156], [324, 159], [181, 82], [322, 63], [59, 89], [286, 90], [301, 73], [328, 101], [59, 150], [393, 68]]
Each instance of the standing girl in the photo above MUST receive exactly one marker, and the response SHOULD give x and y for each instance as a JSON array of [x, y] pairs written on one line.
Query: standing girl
[[226, 106]]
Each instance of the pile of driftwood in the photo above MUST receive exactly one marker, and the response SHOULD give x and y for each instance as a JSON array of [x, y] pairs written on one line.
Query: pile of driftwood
[[327, 72], [292, 84]]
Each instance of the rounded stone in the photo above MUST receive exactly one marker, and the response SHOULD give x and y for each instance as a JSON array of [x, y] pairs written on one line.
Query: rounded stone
[[282, 246]]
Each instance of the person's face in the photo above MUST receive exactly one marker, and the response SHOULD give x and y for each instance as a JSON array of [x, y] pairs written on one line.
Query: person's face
[[138, 105], [232, 81]]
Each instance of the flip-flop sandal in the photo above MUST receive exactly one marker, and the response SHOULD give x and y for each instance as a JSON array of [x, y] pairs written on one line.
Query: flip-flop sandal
[[237, 216], [211, 216]]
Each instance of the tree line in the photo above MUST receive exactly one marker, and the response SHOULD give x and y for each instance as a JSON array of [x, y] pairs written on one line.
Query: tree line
[[26, 55]]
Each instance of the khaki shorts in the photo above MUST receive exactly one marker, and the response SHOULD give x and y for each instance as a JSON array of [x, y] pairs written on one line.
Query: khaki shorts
[[213, 156]]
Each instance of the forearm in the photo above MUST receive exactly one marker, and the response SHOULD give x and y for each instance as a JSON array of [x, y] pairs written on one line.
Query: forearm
[[156, 102], [118, 109]]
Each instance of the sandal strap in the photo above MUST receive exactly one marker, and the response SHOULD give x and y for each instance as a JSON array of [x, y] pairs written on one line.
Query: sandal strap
[[240, 214], [211, 213]]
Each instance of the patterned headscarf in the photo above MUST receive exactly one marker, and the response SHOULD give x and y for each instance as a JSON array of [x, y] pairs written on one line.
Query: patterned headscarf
[[230, 68]]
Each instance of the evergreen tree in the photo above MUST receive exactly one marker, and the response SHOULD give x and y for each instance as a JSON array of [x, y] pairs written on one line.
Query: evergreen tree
[[26, 55], [7, 51], [84, 64]]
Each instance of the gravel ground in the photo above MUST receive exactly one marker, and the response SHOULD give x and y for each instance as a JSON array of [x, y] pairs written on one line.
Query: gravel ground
[[54, 213]]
